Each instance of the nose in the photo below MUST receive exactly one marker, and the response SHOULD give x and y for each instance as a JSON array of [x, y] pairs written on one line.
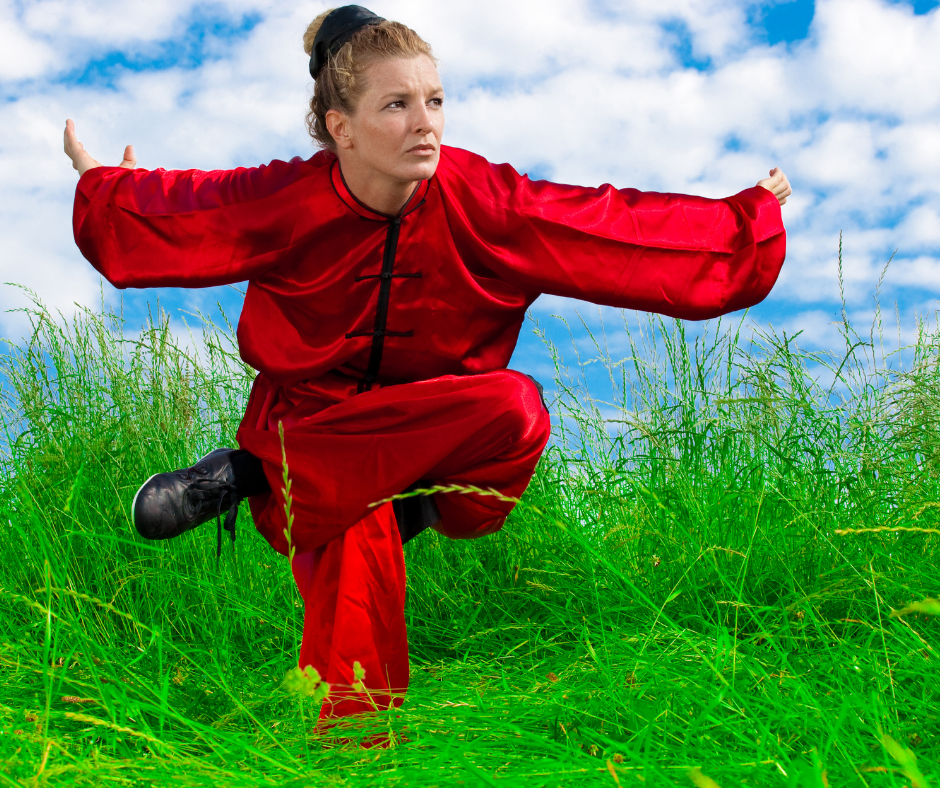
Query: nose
[[422, 119]]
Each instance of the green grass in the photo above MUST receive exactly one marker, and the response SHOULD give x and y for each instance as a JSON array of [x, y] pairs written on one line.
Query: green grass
[[688, 583]]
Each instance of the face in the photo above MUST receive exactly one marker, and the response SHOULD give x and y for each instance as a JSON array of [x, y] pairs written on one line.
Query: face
[[396, 129]]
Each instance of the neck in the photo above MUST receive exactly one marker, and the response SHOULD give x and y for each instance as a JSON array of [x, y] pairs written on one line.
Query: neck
[[376, 190]]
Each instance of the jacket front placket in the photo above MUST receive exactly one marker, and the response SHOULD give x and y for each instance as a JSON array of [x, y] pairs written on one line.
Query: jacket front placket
[[380, 329]]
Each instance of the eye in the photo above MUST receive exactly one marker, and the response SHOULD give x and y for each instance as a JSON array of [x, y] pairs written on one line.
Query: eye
[[436, 102], [396, 105]]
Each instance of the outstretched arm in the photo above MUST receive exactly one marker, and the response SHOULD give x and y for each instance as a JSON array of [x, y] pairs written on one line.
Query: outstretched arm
[[181, 228], [678, 255]]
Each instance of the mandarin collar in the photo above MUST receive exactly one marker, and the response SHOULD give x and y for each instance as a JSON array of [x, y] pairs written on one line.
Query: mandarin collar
[[353, 203]]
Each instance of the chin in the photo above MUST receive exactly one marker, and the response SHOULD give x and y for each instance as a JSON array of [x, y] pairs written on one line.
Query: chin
[[419, 171]]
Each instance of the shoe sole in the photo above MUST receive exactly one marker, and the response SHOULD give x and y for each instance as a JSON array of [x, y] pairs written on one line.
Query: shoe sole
[[140, 489]]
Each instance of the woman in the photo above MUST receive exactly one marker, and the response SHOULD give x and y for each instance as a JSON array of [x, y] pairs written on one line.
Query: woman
[[388, 280]]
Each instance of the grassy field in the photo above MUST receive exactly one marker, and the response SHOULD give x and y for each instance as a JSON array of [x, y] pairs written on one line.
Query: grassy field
[[721, 574]]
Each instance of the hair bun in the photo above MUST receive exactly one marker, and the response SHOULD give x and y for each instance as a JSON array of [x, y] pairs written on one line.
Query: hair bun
[[338, 27]]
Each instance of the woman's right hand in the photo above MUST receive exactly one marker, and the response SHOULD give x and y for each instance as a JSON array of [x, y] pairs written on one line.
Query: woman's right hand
[[778, 184], [82, 160]]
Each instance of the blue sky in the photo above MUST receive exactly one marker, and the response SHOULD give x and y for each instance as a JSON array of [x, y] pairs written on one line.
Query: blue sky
[[790, 21], [694, 96], [204, 34]]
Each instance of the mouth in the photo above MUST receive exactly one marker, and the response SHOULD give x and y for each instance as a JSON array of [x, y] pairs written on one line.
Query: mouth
[[422, 150]]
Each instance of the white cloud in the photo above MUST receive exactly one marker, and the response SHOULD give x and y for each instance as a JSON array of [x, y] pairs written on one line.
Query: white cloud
[[111, 24], [921, 228], [878, 57], [21, 55], [590, 93]]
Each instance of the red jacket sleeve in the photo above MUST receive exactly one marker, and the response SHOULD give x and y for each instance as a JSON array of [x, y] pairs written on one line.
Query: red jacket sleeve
[[185, 228], [682, 256]]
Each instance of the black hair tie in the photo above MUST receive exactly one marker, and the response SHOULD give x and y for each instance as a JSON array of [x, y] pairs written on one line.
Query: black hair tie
[[338, 27]]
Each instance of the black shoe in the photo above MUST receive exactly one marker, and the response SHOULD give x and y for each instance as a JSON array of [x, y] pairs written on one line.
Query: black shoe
[[169, 504]]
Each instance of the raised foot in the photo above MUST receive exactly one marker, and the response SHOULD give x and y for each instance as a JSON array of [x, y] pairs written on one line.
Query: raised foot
[[169, 504]]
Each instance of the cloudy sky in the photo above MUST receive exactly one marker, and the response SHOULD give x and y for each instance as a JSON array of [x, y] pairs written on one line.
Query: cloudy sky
[[696, 96]]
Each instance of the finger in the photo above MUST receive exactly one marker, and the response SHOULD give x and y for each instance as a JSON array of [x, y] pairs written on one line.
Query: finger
[[130, 160], [771, 180], [73, 148], [69, 135], [771, 183]]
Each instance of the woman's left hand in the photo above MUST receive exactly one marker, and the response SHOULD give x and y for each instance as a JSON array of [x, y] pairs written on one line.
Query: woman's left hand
[[778, 184], [82, 160]]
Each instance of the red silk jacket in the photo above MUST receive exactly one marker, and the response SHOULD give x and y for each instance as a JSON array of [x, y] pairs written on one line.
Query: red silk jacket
[[440, 289]]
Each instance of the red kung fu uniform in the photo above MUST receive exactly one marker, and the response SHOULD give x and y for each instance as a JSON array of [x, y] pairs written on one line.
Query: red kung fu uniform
[[382, 342]]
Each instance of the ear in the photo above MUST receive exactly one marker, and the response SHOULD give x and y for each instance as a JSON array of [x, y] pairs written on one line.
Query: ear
[[337, 123]]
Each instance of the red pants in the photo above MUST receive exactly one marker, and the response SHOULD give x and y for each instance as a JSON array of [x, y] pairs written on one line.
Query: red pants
[[348, 450]]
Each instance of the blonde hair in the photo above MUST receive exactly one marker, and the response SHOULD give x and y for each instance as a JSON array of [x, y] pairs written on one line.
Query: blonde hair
[[341, 82]]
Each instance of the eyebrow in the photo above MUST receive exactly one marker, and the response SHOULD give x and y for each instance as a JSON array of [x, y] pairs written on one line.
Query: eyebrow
[[387, 96]]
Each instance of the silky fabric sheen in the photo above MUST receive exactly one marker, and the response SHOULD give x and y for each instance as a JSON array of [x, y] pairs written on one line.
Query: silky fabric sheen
[[476, 245], [354, 611], [486, 431], [485, 241]]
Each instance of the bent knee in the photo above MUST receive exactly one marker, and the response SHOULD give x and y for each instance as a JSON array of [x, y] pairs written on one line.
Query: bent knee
[[527, 413]]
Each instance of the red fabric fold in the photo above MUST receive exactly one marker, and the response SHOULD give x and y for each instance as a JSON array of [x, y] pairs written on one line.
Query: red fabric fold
[[476, 247], [485, 431], [354, 611], [345, 452]]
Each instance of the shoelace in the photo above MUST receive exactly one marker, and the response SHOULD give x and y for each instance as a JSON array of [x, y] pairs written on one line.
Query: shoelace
[[222, 491]]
